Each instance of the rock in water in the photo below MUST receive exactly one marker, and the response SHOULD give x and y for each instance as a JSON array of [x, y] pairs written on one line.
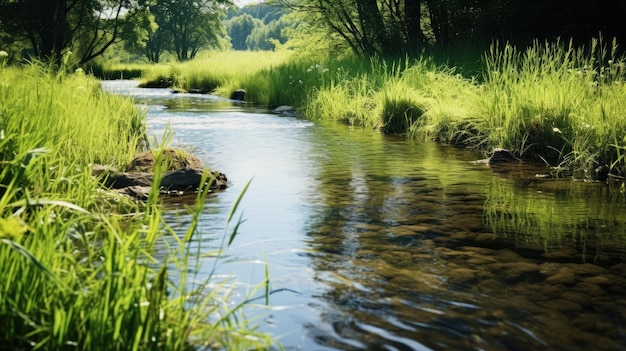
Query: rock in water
[[239, 95], [285, 110]]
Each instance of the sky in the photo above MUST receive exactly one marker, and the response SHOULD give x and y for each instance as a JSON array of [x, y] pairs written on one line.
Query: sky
[[242, 3]]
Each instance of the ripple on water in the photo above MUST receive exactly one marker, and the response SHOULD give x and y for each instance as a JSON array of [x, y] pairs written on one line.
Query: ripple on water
[[393, 244]]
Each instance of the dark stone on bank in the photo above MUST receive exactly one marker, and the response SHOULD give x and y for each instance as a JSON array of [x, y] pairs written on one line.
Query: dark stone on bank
[[601, 173], [502, 156], [178, 182], [499, 156], [238, 95], [189, 179]]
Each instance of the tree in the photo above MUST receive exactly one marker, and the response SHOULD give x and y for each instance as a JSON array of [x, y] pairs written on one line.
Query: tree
[[391, 27], [267, 37], [156, 39], [192, 24], [239, 28], [156, 44], [369, 27], [54, 27]]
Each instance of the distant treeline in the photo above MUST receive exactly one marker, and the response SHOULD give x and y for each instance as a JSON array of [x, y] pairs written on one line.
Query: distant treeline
[[257, 27]]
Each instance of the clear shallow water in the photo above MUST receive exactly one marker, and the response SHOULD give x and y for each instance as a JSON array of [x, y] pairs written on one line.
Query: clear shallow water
[[377, 243]]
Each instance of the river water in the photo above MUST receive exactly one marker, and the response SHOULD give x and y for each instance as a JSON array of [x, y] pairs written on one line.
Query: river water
[[373, 242]]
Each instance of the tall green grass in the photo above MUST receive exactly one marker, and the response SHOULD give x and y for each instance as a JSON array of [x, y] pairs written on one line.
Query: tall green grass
[[549, 102], [54, 127], [78, 264], [221, 72], [562, 104]]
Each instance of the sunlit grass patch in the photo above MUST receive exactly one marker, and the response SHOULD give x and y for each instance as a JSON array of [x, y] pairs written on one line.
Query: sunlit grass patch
[[341, 103], [557, 103], [78, 265], [399, 107]]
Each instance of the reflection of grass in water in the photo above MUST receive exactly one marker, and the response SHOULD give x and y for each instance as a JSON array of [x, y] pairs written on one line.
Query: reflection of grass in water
[[585, 216]]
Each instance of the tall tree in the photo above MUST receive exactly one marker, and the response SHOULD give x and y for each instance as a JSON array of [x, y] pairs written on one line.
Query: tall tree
[[144, 36], [53, 27], [239, 28], [369, 27], [192, 24]]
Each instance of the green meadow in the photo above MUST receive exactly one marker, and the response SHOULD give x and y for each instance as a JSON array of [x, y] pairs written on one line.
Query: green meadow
[[549, 102], [78, 265]]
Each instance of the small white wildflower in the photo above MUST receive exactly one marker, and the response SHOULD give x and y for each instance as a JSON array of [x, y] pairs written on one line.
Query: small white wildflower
[[556, 130]]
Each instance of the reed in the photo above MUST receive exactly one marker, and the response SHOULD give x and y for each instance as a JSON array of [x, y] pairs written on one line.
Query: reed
[[78, 269]]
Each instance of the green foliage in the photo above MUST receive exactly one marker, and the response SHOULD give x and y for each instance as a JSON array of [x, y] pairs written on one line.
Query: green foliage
[[550, 102], [258, 27], [557, 102], [270, 36], [183, 27], [219, 72], [239, 28], [51, 119], [53, 28]]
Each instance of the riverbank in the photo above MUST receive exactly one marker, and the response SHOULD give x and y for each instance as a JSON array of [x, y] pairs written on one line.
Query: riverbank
[[549, 103], [77, 260], [374, 229]]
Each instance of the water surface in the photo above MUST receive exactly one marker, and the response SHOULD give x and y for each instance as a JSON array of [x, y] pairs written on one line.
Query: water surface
[[374, 242]]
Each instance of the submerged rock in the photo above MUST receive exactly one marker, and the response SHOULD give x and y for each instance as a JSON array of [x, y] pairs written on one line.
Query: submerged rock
[[285, 110]]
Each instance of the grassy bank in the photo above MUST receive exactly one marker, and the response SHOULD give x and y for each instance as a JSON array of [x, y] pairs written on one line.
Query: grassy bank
[[549, 103], [78, 270]]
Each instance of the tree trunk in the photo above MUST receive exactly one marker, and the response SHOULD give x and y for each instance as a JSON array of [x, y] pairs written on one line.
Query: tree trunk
[[413, 23]]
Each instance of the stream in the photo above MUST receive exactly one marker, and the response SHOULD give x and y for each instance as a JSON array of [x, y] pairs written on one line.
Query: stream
[[376, 242]]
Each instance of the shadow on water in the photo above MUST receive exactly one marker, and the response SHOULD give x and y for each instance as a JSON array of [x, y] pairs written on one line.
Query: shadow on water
[[378, 243]]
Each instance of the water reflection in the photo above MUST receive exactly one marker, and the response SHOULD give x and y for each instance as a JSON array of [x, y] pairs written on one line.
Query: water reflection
[[584, 218], [378, 243], [419, 248]]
